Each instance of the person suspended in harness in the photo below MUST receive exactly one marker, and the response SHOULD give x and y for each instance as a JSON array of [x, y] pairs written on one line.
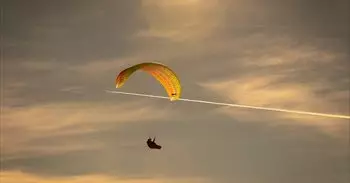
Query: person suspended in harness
[[152, 144]]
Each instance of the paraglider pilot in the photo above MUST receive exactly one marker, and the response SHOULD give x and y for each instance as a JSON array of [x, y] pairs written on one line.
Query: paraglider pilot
[[152, 144]]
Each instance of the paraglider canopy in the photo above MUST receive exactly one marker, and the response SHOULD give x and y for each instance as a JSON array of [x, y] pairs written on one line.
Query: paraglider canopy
[[162, 73]]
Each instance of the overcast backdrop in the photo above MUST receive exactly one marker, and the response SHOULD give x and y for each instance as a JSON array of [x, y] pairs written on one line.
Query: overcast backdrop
[[58, 124]]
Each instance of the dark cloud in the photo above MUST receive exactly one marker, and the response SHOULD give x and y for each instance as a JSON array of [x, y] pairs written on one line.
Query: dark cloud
[[64, 33], [68, 31], [308, 19]]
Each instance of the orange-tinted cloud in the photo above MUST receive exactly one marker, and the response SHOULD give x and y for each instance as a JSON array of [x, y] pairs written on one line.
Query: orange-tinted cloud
[[20, 125], [19, 177], [261, 91], [181, 20]]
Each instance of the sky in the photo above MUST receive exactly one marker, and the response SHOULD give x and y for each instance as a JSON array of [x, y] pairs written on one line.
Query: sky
[[59, 125]]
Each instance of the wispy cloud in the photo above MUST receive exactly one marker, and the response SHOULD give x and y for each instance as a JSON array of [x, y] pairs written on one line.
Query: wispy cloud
[[16, 177], [180, 20], [73, 89], [267, 91], [22, 125], [276, 71], [92, 69], [40, 65]]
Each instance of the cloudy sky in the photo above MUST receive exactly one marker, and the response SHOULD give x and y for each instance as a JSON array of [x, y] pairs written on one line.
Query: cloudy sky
[[58, 124]]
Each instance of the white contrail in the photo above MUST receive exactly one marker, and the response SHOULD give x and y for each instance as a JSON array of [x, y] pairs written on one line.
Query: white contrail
[[236, 105]]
